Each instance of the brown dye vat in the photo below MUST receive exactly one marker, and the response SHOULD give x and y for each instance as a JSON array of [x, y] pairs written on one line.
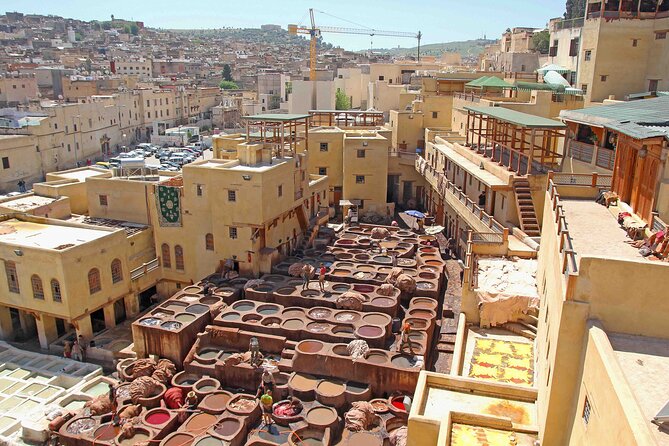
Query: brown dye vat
[[385, 269], [293, 313], [383, 302], [394, 423], [140, 435], [193, 289], [427, 276], [184, 380], [293, 324], [318, 327], [285, 291], [340, 272], [199, 423], [242, 404], [361, 257], [376, 357], [209, 300], [340, 350], [426, 249], [423, 302], [273, 278], [207, 385], [435, 263], [330, 388], [362, 275], [208, 353], [310, 293], [184, 318], [251, 318], [369, 331], [361, 288], [215, 402], [107, 432], [178, 439], [341, 288], [174, 306], [421, 313], [380, 405], [321, 416], [428, 269], [271, 322], [227, 427], [320, 313], [367, 268], [302, 382], [343, 329], [403, 361], [418, 323], [377, 319], [346, 264], [346, 316], [364, 439], [309, 346], [197, 309]]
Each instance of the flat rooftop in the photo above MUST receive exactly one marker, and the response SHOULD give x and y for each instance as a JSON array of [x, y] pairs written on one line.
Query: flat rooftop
[[508, 276], [23, 204], [595, 231], [80, 174], [260, 167], [645, 364], [46, 236], [487, 178]]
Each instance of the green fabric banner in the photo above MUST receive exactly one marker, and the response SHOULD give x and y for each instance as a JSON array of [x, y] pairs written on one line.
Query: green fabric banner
[[168, 202]]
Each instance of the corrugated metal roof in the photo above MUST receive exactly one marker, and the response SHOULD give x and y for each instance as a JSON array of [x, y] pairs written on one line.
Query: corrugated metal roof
[[516, 117], [646, 118]]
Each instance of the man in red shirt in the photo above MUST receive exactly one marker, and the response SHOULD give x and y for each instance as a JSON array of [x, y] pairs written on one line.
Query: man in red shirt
[[321, 277]]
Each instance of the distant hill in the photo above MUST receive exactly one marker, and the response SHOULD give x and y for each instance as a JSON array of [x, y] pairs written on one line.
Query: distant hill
[[465, 48]]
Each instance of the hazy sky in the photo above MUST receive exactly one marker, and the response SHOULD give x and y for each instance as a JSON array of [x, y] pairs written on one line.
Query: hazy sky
[[439, 20]]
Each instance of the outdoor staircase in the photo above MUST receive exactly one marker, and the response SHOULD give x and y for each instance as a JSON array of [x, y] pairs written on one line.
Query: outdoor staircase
[[526, 213], [525, 326]]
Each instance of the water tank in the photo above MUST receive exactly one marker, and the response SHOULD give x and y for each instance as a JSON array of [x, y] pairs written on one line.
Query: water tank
[[132, 163]]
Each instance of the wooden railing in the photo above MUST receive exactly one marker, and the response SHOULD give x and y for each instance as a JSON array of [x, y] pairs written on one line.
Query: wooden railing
[[443, 185], [581, 179], [144, 269], [581, 151], [568, 263]]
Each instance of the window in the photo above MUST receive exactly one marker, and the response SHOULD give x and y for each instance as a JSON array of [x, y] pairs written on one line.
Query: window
[[5, 162], [361, 153], [381, 78], [635, 42], [179, 257], [652, 84], [603, 77], [324, 147], [148, 103], [199, 189], [573, 47], [360, 179], [55, 291], [165, 253], [586, 410], [584, 87], [587, 55], [38, 289], [233, 232], [209, 242], [661, 35], [435, 115], [103, 200], [232, 195], [280, 191], [12, 277], [322, 171], [94, 281], [116, 271]]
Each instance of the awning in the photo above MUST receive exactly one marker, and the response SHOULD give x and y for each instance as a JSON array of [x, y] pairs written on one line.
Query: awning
[[553, 67], [533, 86], [490, 82], [555, 78]]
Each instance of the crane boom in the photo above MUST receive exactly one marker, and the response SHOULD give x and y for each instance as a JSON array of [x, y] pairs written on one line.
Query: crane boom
[[368, 32]]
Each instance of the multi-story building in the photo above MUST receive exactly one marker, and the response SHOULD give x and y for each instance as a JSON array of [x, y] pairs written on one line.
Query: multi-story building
[[142, 68], [17, 89]]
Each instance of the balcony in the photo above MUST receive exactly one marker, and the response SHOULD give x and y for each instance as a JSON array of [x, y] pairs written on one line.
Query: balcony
[[143, 270], [592, 154], [474, 215]]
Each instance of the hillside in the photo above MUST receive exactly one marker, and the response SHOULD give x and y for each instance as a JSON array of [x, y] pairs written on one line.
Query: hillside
[[465, 48]]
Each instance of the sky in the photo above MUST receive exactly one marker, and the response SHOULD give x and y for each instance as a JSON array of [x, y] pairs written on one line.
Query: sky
[[439, 20]]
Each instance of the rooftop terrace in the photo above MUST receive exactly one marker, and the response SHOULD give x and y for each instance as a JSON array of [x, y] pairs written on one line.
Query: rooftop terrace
[[46, 236]]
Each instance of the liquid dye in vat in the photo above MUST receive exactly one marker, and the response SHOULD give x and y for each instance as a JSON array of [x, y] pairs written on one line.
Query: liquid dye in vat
[[403, 361], [209, 441], [230, 316], [98, 389], [208, 354], [244, 306], [265, 310], [107, 432], [197, 309], [171, 325], [149, 321], [274, 435], [369, 331], [184, 318], [227, 427], [207, 388], [354, 387], [157, 418]]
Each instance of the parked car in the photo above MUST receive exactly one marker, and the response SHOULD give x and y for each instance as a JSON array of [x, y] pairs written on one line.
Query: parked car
[[103, 165]]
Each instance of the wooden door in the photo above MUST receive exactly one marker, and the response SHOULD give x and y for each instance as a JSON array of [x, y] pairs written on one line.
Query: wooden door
[[644, 187], [624, 171]]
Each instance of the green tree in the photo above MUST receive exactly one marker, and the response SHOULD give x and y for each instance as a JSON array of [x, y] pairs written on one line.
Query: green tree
[[227, 73], [542, 41], [126, 29], [574, 9], [342, 102], [106, 25], [228, 85], [134, 29]]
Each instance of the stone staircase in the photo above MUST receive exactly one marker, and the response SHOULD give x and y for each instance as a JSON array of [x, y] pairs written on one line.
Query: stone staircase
[[526, 213], [526, 326]]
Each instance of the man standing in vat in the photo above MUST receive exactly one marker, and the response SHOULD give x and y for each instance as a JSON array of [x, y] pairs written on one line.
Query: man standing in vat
[[266, 402], [306, 275], [254, 348], [404, 338]]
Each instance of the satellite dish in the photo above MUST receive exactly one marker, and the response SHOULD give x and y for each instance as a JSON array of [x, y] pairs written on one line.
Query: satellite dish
[[60, 96]]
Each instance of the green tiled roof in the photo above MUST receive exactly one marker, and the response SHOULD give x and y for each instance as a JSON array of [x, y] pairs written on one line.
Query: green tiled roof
[[516, 117]]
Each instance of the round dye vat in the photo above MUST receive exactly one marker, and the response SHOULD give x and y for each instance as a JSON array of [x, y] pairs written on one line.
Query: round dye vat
[[230, 316], [107, 432], [263, 288], [242, 404], [163, 314], [266, 310], [435, 263], [285, 291], [362, 275], [361, 257], [367, 268], [320, 313], [379, 405], [370, 331], [293, 313], [376, 357], [346, 316], [149, 321], [377, 319], [423, 302], [310, 293], [209, 300], [340, 272], [382, 259], [302, 382], [330, 388], [310, 346], [170, 325], [271, 322], [179, 439], [293, 324], [184, 318], [417, 323], [209, 441], [426, 275], [192, 289], [185, 379], [421, 313], [385, 269], [251, 318], [318, 327], [156, 418], [227, 427], [383, 302], [273, 278], [139, 436], [405, 262], [403, 361], [341, 287], [200, 422], [364, 439], [356, 388], [321, 416], [207, 386], [424, 285], [361, 288], [428, 269], [216, 401], [342, 329], [243, 305], [340, 350]]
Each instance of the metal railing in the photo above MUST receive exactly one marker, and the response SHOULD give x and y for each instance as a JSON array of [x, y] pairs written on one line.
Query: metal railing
[[144, 269]]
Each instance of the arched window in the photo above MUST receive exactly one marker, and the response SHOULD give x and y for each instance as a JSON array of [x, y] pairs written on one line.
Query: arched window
[[209, 242], [94, 281], [55, 291], [12, 277], [165, 253], [117, 271], [38, 289], [179, 257]]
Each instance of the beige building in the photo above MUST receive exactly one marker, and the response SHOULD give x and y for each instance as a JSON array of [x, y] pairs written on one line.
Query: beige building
[[17, 89], [142, 68]]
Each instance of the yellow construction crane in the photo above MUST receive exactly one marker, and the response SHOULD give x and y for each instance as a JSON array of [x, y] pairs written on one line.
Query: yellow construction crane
[[315, 33]]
